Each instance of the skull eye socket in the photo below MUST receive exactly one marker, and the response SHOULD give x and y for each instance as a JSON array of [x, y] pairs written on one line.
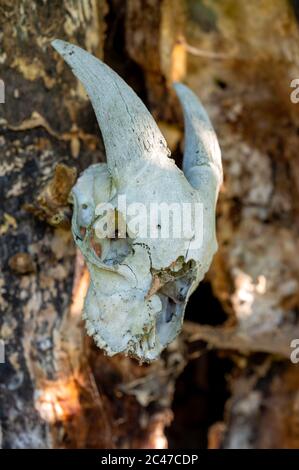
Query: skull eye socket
[[83, 231], [96, 246], [119, 249], [112, 249]]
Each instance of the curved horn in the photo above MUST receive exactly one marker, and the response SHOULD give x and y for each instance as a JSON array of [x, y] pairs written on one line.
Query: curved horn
[[130, 134], [202, 155]]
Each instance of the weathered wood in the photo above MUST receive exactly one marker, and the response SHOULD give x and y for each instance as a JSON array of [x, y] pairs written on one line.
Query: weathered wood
[[44, 122]]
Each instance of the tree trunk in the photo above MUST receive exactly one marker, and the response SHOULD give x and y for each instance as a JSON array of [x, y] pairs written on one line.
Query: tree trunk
[[227, 381]]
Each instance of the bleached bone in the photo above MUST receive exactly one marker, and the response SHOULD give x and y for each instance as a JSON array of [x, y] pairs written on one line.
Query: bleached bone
[[140, 284]]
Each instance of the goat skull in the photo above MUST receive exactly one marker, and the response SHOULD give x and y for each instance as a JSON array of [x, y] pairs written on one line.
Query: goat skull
[[140, 284]]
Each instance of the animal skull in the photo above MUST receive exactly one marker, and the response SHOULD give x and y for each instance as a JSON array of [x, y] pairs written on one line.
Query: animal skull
[[140, 284]]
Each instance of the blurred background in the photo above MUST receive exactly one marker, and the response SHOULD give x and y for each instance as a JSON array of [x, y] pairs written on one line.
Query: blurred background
[[228, 381]]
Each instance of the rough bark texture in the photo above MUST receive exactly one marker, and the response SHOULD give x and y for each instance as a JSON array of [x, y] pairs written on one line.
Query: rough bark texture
[[239, 388]]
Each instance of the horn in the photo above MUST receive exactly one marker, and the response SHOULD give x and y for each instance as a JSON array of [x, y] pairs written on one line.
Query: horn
[[131, 136], [202, 156]]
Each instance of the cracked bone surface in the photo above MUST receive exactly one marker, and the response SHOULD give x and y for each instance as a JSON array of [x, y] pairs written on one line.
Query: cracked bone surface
[[140, 283]]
